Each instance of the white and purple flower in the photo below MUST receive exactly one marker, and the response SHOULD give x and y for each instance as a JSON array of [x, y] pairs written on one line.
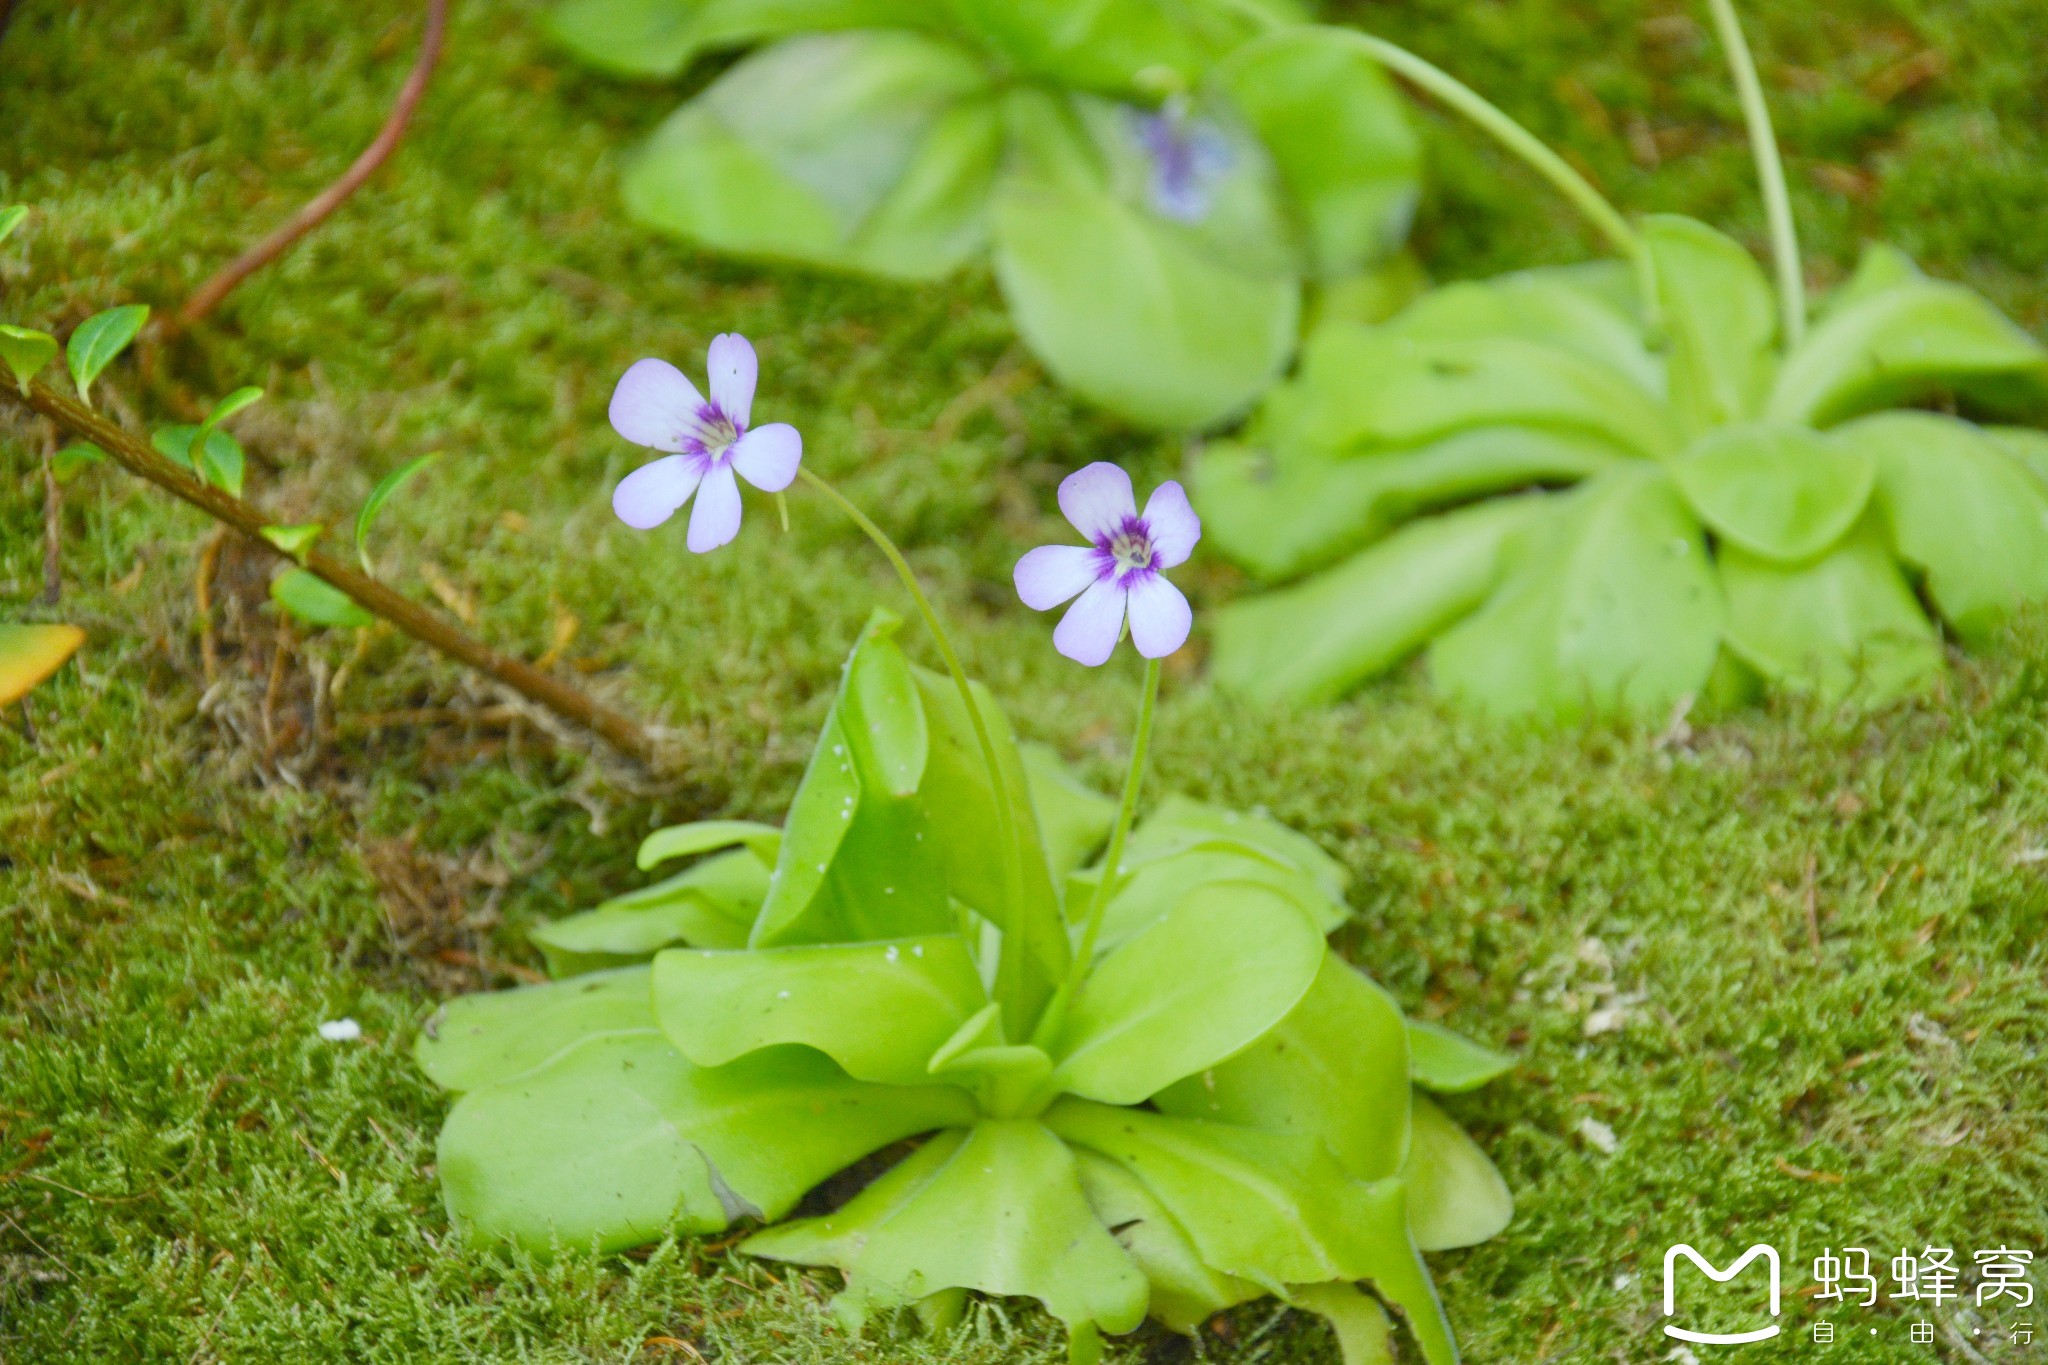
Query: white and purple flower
[[1117, 574], [1187, 157], [656, 406]]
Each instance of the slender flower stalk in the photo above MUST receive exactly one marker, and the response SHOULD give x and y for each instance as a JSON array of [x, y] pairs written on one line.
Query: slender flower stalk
[[1006, 815], [1112, 863], [1770, 172]]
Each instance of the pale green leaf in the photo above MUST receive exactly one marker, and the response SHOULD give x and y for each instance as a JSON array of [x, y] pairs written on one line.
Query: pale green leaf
[[1363, 1333], [1073, 818], [1002, 1213], [100, 338], [878, 1009], [711, 905], [1196, 987], [1609, 605], [224, 465], [1961, 508], [1185, 1292], [316, 602], [1722, 318], [1335, 1070], [1313, 642], [1273, 1208], [884, 717], [708, 836], [1879, 269], [1844, 626], [1339, 138], [1785, 493], [1912, 340], [1282, 514], [66, 463], [478, 1040], [386, 488], [1450, 1063], [25, 351], [11, 218], [1106, 45], [1455, 1196], [658, 38], [30, 654], [1591, 310], [294, 540]]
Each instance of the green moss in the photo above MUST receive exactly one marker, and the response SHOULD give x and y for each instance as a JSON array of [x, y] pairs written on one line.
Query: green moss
[[187, 1172]]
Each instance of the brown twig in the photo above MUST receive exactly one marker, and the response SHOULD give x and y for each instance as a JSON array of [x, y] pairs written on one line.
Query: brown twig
[[53, 530], [208, 296], [202, 602], [138, 457]]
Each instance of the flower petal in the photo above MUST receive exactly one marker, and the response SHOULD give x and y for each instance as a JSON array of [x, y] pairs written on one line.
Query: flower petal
[[768, 456], [732, 369], [1050, 574], [655, 406], [1088, 633], [715, 520], [1097, 499], [1175, 527], [651, 494], [1160, 616]]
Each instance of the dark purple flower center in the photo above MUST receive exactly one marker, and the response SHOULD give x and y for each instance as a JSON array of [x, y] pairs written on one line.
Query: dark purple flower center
[[1126, 554], [711, 434]]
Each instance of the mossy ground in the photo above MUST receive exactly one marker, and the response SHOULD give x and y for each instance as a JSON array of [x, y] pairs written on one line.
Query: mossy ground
[[187, 887]]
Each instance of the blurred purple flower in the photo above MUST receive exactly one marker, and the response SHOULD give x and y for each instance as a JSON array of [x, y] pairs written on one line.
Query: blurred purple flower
[[1187, 156], [1117, 574], [656, 406]]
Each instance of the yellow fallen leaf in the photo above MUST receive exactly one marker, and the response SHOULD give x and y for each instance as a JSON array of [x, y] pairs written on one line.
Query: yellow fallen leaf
[[29, 654]]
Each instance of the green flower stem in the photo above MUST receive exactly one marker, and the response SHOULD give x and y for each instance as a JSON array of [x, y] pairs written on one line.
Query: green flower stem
[[1770, 171], [1112, 863], [1006, 815]]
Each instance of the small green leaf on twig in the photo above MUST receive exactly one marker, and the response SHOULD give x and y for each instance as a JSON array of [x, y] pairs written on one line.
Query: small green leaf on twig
[[315, 601], [380, 495], [11, 218], [224, 461], [98, 340], [294, 540], [226, 408], [66, 463], [26, 351]]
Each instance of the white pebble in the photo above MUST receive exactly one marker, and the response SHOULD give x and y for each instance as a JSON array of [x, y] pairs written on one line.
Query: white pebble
[[341, 1030]]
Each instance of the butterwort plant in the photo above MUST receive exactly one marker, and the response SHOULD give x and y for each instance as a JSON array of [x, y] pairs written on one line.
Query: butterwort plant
[[1118, 1067]]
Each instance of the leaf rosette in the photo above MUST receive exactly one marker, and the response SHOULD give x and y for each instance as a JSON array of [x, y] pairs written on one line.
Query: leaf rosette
[[1154, 180], [1569, 519], [1222, 1109]]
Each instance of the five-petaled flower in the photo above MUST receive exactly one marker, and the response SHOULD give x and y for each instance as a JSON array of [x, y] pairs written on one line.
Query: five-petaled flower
[[1117, 574], [1187, 155], [656, 406]]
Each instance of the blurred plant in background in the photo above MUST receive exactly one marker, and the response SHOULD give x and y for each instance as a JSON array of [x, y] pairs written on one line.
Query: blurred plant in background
[[1156, 181], [1749, 506]]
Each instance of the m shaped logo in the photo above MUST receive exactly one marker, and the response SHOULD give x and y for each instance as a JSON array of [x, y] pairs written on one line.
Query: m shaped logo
[[1769, 1255]]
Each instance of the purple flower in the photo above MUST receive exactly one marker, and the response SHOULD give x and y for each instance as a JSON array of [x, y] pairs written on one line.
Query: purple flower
[[1187, 156], [656, 406], [1117, 573]]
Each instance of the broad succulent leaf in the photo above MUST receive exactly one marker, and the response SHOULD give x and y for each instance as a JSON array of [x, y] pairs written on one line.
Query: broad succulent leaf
[[1589, 310], [878, 1009], [1179, 824], [1722, 319], [1920, 337], [869, 150], [1339, 139], [1335, 1069], [1318, 639], [708, 836], [620, 1140], [658, 38], [479, 1040], [1609, 605], [1356, 1317], [1185, 1290], [711, 905], [1786, 493], [1450, 1063], [1456, 1197], [1268, 1207], [1164, 321], [1194, 988], [1843, 626], [1962, 509], [1281, 516], [1108, 45], [1000, 1210]]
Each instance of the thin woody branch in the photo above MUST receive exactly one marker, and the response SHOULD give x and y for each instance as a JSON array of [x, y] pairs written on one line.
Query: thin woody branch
[[208, 296], [138, 457]]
